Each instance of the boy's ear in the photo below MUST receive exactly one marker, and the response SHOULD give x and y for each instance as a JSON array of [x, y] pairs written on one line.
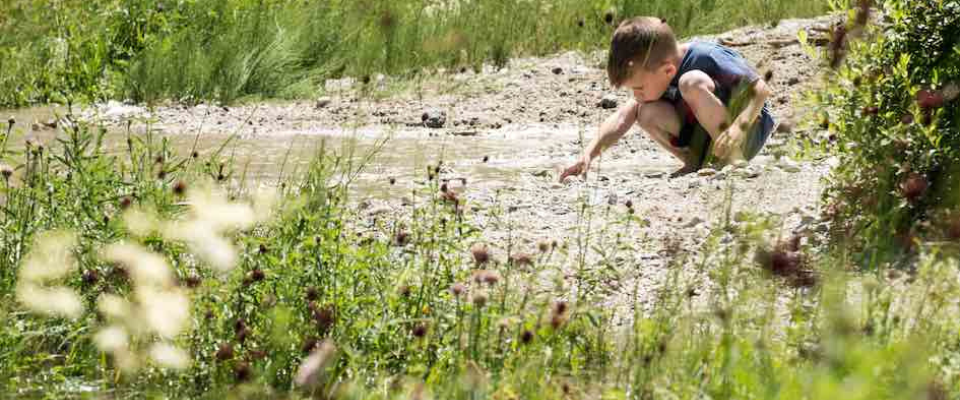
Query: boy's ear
[[669, 69]]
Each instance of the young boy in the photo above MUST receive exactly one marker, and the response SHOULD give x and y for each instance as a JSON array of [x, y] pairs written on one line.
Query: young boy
[[684, 96]]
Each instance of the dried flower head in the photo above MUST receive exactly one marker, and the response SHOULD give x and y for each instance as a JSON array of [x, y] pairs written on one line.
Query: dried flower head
[[125, 202], [11, 121], [521, 259], [929, 98], [543, 246], [481, 254], [6, 171], [526, 336], [257, 275], [225, 352], [457, 289], [242, 371], [179, 188], [913, 186], [312, 293], [420, 330], [479, 299], [401, 238]]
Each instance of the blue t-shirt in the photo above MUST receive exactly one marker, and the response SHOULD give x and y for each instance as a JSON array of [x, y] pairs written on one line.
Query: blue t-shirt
[[730, 72]]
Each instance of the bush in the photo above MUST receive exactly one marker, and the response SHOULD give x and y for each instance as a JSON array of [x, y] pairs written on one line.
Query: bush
[[892, 106]]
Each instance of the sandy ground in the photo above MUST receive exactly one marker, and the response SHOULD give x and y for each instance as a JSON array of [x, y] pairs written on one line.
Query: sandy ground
[[508, 132]]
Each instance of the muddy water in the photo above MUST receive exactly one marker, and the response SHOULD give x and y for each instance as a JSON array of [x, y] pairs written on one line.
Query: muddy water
[[488, 159]]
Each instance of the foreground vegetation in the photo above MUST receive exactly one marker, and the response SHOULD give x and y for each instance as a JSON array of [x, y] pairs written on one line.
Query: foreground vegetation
[[228, 49], [155, 274]]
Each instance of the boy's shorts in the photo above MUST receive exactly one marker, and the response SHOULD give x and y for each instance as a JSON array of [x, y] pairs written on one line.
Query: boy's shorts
[[693, 136]]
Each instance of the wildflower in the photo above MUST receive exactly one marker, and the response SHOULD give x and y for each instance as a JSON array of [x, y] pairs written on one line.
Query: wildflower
[[325, 317], [225, 352], [420, 330], [90, 277], [401, 238], [913, 186], [309, 344], [111, 339], [521, 259], [871, 110], [263, 249], [543, 246], [928, 99], [487, 276], [404, 291], [193, 281], [526, 336], [114, 307], [6, 171], [179, 188], [169, 356], [145, 267], [481, 254], [457, 289], [313, 367], [241, 371], [907, 119], [166, 312], [125, 202], [785, 261], [241, 335], [479, 299], [312, 293], [257, 275], [56, 301], [11, 121]]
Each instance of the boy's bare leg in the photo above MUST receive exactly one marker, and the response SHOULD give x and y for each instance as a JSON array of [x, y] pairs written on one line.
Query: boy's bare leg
[[697, 88], [662, 123]]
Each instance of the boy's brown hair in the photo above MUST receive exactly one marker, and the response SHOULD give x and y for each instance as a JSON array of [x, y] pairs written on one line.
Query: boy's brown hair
[[644, 42]]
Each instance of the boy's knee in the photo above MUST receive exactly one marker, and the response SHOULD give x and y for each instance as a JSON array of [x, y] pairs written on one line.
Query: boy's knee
[[695, 81], [659, 114]]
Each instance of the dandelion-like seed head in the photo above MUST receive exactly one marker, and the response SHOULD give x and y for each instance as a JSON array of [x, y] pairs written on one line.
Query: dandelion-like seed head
[[54, 302], [50, 258], [166, 312], [145, 267], [6, 171], [169, 356], [111, 339]]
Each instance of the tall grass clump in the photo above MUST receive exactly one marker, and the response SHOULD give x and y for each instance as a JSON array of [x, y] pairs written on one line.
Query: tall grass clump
[[229, 49], [892, 106]]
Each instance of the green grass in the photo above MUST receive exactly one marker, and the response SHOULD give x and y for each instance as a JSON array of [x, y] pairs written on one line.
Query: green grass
[[229, 49], [720, 325]]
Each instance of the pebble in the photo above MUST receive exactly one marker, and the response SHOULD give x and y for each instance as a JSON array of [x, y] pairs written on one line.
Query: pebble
[[788, 166], [434, 119], [323, 102], [707, 172], [607, 102], [557, 70], [655, 174]]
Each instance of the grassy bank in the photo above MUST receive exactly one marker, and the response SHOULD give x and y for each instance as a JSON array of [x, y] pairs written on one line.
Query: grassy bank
[[228, 49], [152, 273]]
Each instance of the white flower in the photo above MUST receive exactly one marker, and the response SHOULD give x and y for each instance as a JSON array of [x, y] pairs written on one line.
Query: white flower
[[169, 356], [50, 258], [145, 267], [55, 301], [111, 339], [165, 311]]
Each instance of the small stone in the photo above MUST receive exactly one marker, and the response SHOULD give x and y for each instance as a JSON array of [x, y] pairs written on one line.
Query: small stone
[[707, 172], [741, 164], [323, 102], [655, 174], [557, 70], [607, 102], [693, 222], [788, 166], [434, 119], [793, 81]]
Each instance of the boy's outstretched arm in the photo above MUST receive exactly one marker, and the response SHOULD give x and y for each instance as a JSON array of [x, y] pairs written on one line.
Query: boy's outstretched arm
[[611, 130]]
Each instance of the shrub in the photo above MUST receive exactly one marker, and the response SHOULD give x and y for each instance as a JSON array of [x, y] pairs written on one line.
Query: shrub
[[892, 106]]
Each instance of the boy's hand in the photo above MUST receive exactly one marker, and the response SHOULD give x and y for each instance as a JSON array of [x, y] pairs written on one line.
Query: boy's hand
[[579, 168], [727, 143]]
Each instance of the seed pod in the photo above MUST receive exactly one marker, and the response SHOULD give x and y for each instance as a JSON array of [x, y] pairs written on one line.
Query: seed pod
[[420, 330], [526, 336], [179, 188], [242, 371], [457, 289], [913, 186], [481, 254]]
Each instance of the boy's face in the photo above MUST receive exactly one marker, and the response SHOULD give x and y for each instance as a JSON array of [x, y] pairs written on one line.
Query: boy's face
[[649, 86]]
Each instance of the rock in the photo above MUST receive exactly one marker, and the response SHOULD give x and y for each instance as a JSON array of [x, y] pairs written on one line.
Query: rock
[[557, 70], [793, 81], [541, 173], [323, 102], [707, 172], [434, 119], [655, 174], [741, 164], [785, 127], [788, 165], [607, 102], [693, 222]]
